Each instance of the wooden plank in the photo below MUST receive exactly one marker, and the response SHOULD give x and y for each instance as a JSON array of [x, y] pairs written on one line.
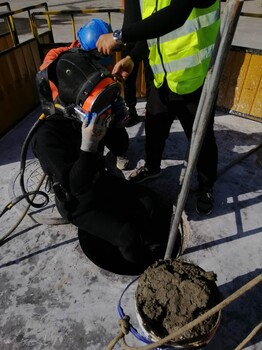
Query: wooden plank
[[238, 76], [5, 86], [18, 92], [35, 54], [29, 60], [5, 42], [223, 99], [140, 81], [250, 85], [14, 64], [240, 84], [6, 80], [256, 109]]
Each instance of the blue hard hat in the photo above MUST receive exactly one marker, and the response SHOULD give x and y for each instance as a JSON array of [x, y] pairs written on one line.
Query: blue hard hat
[[91, 31]]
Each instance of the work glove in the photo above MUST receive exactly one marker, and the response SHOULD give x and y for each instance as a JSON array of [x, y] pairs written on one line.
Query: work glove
[[93, 130]]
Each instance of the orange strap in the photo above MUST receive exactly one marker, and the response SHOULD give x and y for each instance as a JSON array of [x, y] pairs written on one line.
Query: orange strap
[[95, 92]]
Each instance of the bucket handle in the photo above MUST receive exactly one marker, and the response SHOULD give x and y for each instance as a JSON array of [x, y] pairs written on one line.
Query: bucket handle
[[131, 327]]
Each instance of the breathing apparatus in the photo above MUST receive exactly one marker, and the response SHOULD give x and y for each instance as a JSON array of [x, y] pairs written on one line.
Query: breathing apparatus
[[85, 88]]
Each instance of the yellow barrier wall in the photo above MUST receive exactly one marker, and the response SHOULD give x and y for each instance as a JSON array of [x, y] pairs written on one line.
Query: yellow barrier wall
[[18, 93], [240, 90]]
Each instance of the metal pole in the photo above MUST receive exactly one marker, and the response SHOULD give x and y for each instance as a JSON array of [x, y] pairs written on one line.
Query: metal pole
[[229, 21], [73, 25]]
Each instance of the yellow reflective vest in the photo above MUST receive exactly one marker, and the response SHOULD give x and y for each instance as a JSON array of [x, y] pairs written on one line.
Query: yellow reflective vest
[[183, 55]]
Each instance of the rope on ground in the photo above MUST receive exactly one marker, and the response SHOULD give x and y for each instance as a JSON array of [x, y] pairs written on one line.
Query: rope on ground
[[124, 330], [173, 336], [249, 337]]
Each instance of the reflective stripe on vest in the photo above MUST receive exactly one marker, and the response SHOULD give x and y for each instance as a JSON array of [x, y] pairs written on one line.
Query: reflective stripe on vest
[[183, 55]]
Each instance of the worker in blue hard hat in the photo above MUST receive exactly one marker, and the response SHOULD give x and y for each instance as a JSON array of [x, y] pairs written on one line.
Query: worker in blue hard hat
[[87, 36]]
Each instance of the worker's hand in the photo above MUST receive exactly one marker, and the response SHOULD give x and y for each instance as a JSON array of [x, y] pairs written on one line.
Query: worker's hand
[[93, 130], [106, 44], [123, 68]]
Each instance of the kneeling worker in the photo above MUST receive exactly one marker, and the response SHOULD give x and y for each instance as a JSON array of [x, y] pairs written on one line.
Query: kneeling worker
[[69, 146]]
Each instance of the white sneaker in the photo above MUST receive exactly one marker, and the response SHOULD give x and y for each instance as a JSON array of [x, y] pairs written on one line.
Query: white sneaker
[[122, 162]]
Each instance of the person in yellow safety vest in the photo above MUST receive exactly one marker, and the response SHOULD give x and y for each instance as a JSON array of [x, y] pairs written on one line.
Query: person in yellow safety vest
[[181, 35]]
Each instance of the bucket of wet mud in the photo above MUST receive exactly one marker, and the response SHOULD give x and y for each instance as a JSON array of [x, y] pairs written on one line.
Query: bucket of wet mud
[[170, 294]]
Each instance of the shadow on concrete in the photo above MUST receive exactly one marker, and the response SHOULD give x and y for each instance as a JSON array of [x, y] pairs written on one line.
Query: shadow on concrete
[[38, 252], [241, 316]]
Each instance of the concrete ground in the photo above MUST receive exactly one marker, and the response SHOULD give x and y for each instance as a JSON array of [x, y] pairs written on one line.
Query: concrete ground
[[53, 297]]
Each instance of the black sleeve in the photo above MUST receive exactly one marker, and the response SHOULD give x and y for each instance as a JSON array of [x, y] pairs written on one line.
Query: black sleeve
[[139, 51], [57, 146], [160, 22], [132, 12]]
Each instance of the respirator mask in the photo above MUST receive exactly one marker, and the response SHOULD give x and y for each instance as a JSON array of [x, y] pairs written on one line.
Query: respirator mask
[[85, 87]]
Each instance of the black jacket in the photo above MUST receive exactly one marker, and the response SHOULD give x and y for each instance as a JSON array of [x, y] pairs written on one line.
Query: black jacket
[[57, 146]]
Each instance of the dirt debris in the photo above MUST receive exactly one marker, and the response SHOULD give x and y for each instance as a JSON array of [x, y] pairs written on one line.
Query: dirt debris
[[172, 293]]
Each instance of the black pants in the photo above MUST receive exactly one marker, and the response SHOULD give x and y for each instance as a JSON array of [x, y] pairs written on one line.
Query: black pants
[[162, 108], [130, 82], [124, 214], [117, 140]]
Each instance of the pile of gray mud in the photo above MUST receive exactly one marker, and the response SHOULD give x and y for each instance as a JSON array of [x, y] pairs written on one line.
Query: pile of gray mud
[[173, 292]]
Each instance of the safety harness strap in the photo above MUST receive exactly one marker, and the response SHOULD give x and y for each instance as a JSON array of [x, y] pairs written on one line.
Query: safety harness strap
[[44, 91]]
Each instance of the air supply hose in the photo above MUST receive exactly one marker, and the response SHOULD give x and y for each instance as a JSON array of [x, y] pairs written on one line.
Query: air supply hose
[[23, 166], [15, 201], [26, 194]]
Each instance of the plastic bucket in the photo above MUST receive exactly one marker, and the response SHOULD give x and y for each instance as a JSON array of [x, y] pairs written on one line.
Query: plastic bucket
[[182, 342]]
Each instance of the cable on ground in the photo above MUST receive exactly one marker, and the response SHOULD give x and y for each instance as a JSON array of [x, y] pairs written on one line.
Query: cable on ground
[[11, 204]]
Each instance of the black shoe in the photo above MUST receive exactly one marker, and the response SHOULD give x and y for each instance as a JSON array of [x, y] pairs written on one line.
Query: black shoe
[[142, 174], [205, 201]]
